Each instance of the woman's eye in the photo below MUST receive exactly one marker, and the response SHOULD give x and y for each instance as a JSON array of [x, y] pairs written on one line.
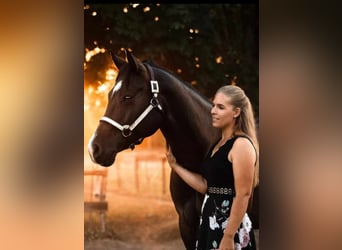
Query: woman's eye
[[127, 97]]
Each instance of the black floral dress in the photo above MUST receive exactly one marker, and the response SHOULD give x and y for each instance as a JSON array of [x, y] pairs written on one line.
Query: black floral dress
[[217, 203]]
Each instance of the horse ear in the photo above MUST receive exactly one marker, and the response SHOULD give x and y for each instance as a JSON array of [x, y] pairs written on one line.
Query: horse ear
[[132, 60], [118, 61]]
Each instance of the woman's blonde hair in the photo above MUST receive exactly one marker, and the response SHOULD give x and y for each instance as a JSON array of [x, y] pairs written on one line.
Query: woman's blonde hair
[[245, 122]]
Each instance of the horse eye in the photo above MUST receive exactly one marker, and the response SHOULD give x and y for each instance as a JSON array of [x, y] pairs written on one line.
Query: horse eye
[[127, 97]]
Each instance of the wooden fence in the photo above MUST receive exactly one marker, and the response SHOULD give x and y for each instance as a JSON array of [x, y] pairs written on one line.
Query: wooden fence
[[143, 173], [95, 184]]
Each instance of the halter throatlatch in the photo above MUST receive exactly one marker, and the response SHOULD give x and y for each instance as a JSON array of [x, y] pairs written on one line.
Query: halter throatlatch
[[127, 130]]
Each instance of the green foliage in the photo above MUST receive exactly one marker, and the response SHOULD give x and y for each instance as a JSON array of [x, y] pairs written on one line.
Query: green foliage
[[183, 36]]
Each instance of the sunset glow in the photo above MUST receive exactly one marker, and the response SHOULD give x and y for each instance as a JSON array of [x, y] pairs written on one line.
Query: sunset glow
[[91, 53]]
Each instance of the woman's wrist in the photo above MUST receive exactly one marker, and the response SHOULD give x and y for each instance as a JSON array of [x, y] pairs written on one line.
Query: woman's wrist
[[174, 165], [228, 235]]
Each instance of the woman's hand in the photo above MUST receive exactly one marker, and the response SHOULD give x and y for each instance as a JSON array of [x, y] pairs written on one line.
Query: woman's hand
[[227, 243], [170, 158], [194, 180]]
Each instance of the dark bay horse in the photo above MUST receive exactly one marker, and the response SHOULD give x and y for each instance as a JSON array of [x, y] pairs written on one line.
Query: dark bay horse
[[144, 99]]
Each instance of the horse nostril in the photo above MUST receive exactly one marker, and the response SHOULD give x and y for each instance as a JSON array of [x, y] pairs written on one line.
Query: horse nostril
[[96, 149]]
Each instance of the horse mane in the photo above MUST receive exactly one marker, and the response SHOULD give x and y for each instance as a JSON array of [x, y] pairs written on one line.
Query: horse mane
[[150, 62], [187, 84]]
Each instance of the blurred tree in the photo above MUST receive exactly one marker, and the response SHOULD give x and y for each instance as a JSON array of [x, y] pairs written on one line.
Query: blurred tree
[[208, 45]]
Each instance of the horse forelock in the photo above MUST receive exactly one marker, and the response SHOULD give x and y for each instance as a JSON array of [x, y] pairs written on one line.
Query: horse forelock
[[126, 76]]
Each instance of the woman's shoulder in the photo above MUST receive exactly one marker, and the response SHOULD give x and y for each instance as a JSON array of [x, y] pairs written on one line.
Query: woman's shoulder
[[242, 148], [242, 142]]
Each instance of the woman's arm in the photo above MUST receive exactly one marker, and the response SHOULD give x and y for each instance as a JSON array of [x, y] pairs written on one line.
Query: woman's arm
[[194, 180], [243, 158]]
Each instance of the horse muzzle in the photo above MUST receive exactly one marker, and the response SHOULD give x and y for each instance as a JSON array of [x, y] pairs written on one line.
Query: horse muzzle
[[98, 155]]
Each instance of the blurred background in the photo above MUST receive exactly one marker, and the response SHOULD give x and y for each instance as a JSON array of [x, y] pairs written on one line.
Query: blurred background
[[42, 119]]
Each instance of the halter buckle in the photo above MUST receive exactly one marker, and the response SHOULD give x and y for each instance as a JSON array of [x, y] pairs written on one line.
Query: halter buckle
[[154, 86]]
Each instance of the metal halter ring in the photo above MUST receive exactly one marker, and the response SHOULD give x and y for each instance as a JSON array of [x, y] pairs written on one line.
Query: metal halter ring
[[154, 102], [126, 131]]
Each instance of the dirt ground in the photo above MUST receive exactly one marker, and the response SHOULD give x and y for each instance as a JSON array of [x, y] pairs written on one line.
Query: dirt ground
[[133, 222]]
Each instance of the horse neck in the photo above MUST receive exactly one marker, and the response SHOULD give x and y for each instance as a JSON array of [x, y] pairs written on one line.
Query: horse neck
[[187, 125]]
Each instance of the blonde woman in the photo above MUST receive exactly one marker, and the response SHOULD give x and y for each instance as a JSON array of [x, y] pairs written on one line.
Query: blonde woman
[[228, 174]]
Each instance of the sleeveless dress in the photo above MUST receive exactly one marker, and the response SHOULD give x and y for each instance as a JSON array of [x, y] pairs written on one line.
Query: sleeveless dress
[[217, 203]]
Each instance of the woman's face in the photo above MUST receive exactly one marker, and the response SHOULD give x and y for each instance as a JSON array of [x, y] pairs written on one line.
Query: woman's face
[[222, 112]]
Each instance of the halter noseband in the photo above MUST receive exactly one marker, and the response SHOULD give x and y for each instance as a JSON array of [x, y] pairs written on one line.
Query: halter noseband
[[127, 130]]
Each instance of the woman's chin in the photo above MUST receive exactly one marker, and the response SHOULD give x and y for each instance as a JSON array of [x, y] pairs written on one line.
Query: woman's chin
[[214, 124]]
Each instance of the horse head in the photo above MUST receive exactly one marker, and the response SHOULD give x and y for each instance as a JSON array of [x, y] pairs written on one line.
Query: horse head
[[133, 111]]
